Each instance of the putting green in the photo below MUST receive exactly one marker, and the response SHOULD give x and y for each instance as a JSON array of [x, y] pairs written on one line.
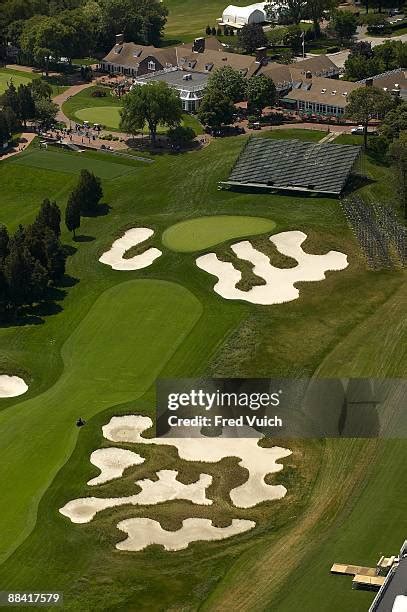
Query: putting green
[[204, 232], [113, 356], [109, 116]]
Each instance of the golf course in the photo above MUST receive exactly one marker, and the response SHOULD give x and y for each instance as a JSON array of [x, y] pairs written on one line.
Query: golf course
[[114, 329]]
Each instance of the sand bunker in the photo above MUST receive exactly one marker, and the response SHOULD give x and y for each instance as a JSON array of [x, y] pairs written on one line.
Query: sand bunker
[[279, 287], [114, 256], [143, 532], [257, 460], [12, 386], [112, 462], [166, 488]]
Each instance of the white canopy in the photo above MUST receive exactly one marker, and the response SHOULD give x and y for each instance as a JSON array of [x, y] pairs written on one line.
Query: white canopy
[[242, 15]]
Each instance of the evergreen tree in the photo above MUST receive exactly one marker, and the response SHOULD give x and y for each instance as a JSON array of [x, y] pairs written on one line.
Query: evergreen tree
[[208, 30], [73, 213], [89, 192], [50, 215], [55, 256], [4, 242]]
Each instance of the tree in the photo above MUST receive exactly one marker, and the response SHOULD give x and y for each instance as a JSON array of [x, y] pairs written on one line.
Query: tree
[[252, 36], [344, 24], [292, 12], [208, 30], [25, 104], [315, 10], [73, 213], [215, 110], [358, 67], [213, 31], [154, 103], [229, 82], [395, 122], [398, 155], [181, 136], [49, 215], [4, 242], [260, 92], [4, 130], [41, 89], [89, 192], [366, 103], [140, 21], [293, 38], [45, 113]]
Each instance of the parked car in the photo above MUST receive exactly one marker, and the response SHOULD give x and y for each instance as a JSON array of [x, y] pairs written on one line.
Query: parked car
[[358, 130]]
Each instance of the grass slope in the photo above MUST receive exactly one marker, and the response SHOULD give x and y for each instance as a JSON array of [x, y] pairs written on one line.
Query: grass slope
[[17, 77], [72, 163], [324, 480], [113, 356], [204, 232]]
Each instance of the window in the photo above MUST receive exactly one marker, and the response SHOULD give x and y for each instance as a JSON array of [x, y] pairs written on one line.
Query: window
[[151, 65]]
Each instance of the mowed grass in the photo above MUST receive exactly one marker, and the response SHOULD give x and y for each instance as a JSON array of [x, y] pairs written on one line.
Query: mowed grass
[[72, 163], [249, 572], [189, 18], [106, 111], [204, 232], [17, 77], [113, 356]]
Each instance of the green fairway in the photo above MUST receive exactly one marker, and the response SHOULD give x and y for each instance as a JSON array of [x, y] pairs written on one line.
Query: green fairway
[[73, 163], [111, 334], [106, 362], [17, 77], [204, 232]]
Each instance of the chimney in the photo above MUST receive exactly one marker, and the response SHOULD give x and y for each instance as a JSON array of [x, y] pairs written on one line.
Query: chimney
[[308, 74], [199, 45], [119, 39], [261, 54], [369, 82]]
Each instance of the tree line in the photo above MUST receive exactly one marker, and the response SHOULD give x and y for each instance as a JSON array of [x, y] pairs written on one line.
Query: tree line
[[30, 102], [47, 30], [365, 61], [31, 260]]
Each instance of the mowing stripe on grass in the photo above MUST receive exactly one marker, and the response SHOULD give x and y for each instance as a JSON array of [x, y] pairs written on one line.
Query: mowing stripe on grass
[[113, 356], [72, 163]]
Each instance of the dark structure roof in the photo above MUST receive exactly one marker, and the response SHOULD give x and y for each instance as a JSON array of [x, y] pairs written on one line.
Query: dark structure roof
[[294, 165]]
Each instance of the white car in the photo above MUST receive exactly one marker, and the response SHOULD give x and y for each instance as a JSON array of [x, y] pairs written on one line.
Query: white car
[[358, 130]]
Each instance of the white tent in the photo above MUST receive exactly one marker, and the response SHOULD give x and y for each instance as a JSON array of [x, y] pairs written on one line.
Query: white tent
[[242, 15]]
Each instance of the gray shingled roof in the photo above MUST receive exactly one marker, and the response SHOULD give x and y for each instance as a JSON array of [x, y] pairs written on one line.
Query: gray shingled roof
[[293, 164]]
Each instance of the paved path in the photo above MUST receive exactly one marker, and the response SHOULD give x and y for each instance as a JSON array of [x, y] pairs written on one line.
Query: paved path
[[25, 140], [63, 97]]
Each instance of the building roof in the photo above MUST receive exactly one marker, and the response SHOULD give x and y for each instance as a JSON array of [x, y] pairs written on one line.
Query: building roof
[[130, 54], [392, 80], [318, 65], [243, 12], [322, 90], [210, 60], [280, 74], [294, 165], [176, 78]]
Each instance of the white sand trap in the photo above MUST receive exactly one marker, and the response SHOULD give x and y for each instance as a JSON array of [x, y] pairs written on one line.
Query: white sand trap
[[143, 532], [112, 462], [257, 460], [114, 256], [12, 386], [166, 488], [280, 282]]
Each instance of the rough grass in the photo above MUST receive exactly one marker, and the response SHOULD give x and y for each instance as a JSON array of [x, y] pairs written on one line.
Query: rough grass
[[17, 77]]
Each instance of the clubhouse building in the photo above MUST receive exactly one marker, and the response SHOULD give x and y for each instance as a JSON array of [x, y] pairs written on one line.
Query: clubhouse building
[[310, 86]]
